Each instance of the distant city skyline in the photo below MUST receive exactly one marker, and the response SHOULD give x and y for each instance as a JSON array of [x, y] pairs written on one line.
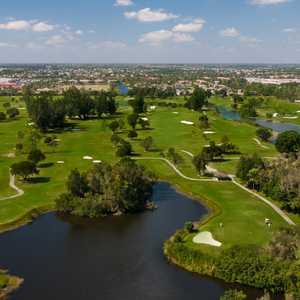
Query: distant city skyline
[[137, 31]]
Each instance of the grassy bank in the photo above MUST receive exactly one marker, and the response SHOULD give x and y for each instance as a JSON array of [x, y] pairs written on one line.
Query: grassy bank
[[8, 284]]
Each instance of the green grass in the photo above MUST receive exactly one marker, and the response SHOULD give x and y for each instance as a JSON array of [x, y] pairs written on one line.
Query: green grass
[[242, 214], [4, 280]]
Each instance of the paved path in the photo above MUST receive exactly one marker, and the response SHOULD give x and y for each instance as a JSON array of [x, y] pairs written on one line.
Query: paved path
[[12, 184], [175, 169], [272, 205]]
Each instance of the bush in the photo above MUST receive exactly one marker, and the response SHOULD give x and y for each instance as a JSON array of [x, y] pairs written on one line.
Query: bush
[[233, 295], [288, 142], [124, 149], [132, 134], [264, 133]]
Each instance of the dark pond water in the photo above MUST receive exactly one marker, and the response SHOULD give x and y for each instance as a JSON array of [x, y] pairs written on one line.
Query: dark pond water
[[276, 126], [108, 259]]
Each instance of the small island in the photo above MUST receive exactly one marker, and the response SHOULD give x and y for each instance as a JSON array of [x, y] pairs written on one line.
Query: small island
[[8, 284]]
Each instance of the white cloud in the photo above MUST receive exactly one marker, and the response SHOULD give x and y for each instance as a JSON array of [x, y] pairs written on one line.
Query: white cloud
[[79, 32], [182, 38], [56, 40], [230, 32], [148, 15], [16, 25], [194, 26], [157, 37], [123, 3], [36, 26], [268, 2], [42, 27]]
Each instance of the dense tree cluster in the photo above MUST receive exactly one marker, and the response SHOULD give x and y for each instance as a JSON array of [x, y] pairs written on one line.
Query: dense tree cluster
[[278, 179], [48, 111], [273, 267], [104, 189], [288, 142]]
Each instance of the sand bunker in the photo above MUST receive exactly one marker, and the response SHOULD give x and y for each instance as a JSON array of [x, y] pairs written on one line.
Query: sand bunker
[[187, 122], [87, 158], [175, 112], [60, 162], [208, 132], [294, 117], [97, 161], [145, 119], [206, 238]]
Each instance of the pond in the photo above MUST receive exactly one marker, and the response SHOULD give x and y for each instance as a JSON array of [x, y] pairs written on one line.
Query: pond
[[276, 126], [108, 259]]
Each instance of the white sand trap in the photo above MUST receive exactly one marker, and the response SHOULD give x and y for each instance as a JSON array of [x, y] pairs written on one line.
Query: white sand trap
[[206, 237], [208, 132], [298, 111], [187, 122], [294, 117], [60, 162], [87, 158], [275, 115], [153, 107], [21, 108], [97, 161], [145, 119], [175, 112], [30, 124]]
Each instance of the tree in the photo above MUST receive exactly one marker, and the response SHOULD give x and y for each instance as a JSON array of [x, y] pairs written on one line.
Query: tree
[[115, 139], [105, 104], [132, 134], [288, 142], [233, 295], [174, 156], [138, 104], [12, 112], [132, 120], [24, 169], [200, 162], [203, 121], [114, 126], [2, 116], [189, 226], [197, 100], [147, 143], [246, 164], [36, 156], [124, 149], [247, 110], [46, 111], [264, 133], [76, 184], [51, 141]]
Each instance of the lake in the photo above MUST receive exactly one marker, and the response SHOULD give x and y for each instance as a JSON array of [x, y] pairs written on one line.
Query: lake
[[109, 259]]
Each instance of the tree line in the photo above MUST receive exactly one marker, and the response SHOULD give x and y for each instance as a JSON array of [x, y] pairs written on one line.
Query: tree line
[[48, 111]]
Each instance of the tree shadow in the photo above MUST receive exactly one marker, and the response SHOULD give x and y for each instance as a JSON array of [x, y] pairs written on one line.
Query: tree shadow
[[46, 165], [35, 180]]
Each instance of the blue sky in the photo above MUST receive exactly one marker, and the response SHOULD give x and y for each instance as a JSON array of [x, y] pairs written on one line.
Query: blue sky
[[150, 31]]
